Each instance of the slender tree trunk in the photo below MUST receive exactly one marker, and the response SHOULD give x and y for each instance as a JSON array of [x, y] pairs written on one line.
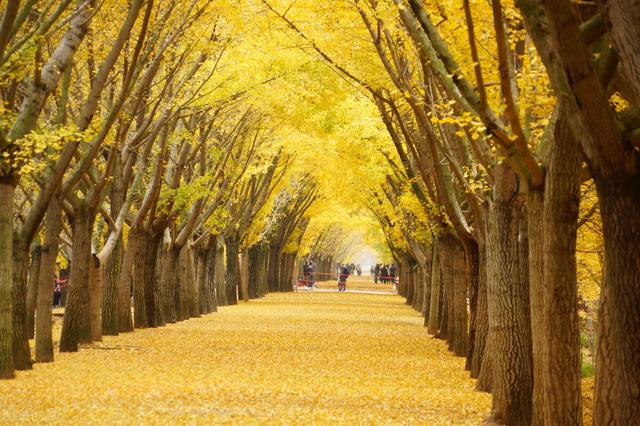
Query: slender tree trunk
[[7, 188], [221, 288], [244, 276], [138, 245], [201, 280], [472, 257], [32, 289], [76, 326], [509, 317], [617, 394], [434, 304], [44, 339], [147, 271], [418, 289], [211, 275], [454, 270], [125, 323], [170, 285], [110, 297], [95, 298], [233, 268], [426, 270]]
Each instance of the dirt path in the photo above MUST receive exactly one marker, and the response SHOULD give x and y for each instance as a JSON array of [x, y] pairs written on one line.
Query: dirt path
[[306, 357]]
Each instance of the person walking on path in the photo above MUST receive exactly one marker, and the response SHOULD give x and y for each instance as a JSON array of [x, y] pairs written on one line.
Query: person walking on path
[[342, 278]]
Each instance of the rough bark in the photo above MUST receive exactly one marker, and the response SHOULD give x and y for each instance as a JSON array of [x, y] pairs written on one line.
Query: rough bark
[[535, 211], [617, 397], [6, 279], [509, 317], [44, 339], [482, 316], [21, 352], [76, 326], [111, 278], [138, 244], [561, 208]]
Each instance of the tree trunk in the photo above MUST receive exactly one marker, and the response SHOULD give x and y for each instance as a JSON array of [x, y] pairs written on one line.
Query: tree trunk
[[562, 388], [44, 340], [244, 276], [110, 297], [95, 298], [147, 271], [200, 253], [509, 317], [232, 276], [472, 257], [139, 249], [454, 270], [482, 316], [617, 398], [535, 211], [21, 351], [434, 304], [32, 289], [220, 286], [7, 188], [125, 323], [76, 326], [170, 284]]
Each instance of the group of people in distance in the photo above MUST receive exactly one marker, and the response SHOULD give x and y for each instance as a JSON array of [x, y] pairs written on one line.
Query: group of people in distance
[[385, 274], [309, 271]]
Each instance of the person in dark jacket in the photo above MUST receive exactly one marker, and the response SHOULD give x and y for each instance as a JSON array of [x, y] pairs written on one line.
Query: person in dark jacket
[[342, 278]]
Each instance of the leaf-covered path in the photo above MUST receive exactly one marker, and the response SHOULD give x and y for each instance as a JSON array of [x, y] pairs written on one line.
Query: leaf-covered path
[[289, 358]]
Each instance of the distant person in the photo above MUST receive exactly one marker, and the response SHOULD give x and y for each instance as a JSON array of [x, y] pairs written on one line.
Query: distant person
[[392, 272], [342, 278], [312, 274], [376, 273], [384, 274]]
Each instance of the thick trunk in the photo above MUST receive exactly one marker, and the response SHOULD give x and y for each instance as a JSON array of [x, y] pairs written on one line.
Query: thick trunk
[[454, 270], [535, 211], [232, 276], [76, 326], [21, 352], [561, 208], [7, 189], [44, 340], [32, 290], [485, 378], [110, 297], [617, 398], [434, 304], [509, 317]]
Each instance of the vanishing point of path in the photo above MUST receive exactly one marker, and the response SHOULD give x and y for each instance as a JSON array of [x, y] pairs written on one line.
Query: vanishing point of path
[[296, 358]]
